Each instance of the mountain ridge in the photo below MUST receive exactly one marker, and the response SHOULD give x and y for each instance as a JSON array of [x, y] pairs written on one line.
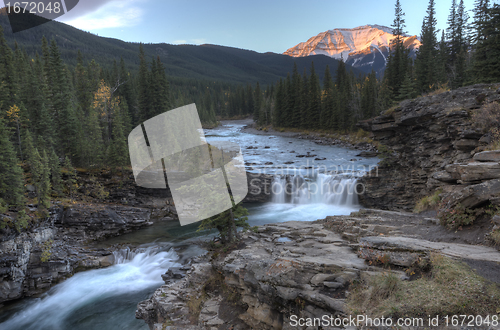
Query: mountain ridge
[[205, 62], [364, 47]]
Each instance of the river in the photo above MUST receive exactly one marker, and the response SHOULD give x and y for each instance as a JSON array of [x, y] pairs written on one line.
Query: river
[[311, 182]]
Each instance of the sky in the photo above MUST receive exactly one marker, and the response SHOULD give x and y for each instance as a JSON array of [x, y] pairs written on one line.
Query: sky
[[259, 25]]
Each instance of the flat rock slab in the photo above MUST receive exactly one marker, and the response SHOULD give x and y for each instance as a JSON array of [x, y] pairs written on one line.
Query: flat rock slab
[[488, 156], [474, 195], [464, 251]]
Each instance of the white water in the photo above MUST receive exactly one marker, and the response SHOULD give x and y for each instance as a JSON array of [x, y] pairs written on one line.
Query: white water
[[107, 298], [134, 272], [328, 189], [298, 198]]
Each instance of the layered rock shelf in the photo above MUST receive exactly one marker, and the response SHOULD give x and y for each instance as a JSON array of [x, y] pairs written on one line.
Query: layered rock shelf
[[33, 261], [432, 143], [304, 269]]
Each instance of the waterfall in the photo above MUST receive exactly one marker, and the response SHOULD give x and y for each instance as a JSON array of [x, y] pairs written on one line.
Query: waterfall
[[324, 188], [121, 286]]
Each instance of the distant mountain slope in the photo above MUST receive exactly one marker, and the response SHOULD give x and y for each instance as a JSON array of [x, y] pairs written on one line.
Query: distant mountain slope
[[365, 47], [207, 62]]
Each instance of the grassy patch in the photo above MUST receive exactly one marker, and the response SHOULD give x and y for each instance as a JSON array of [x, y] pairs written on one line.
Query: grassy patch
[[391, 110], [428, 202], [450, 287], [194, 303], [441, 88]]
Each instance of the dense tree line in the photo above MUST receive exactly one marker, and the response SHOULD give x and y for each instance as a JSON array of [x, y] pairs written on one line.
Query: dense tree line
[[302, 101], [467, 52], [54, 117]]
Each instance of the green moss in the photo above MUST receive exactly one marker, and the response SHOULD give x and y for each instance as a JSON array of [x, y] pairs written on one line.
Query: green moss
[[46, 251]]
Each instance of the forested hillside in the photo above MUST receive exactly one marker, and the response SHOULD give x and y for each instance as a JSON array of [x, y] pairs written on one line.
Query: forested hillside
[[468, 53], [69, 98], [205, 62]]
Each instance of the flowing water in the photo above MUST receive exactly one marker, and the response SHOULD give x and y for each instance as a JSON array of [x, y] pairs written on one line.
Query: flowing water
[[311, 182], [96, 299]]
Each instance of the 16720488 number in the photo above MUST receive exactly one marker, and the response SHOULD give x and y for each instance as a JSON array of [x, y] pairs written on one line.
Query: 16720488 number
[[33, 7]]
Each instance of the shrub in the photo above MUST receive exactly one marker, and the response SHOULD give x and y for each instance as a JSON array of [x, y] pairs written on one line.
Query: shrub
[[3, 206], [391, 110], [440, 88], [361, 133], [495, 236], [46, 251], [456, 217]]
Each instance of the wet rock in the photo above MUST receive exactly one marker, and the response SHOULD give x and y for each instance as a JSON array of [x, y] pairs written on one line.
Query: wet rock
[[367, 154], [173, 274], [259, 188]]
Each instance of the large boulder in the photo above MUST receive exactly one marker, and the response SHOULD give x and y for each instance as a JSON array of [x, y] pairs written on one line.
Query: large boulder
[[474, 195]]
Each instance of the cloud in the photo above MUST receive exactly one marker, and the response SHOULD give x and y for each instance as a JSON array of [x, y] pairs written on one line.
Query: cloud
[[180, 42], [105, 14], [84, 7], [199, 41]]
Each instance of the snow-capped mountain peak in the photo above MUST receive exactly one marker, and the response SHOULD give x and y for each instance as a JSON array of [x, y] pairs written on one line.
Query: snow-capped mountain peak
[[365, 47]]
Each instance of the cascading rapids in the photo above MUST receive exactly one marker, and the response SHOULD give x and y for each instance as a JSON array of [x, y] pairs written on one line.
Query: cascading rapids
[[65, 305], [326, 189]]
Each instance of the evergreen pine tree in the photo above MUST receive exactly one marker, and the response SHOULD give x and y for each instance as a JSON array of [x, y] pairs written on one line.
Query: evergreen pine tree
[[296, 115], [144, 99], [305, 99], [486, 67], [8, 76], [314, 110], [55, 172], [441, 62], [11, 174], [397, 62], [279, 105], [44, 181], [344, 96], [369, 91], [258, 103], [426, 61], [70, 180], [457, 21], [328, 100]]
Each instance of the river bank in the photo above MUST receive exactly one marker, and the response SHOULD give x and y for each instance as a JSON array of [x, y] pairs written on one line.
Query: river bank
[[107, 214], [374, 263], [357, 141], [306, 270]]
